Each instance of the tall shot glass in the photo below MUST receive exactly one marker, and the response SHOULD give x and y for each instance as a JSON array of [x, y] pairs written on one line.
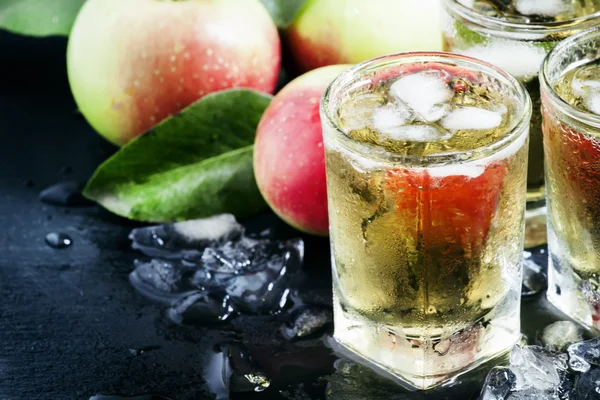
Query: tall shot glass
[[426, 170], [570, 87]]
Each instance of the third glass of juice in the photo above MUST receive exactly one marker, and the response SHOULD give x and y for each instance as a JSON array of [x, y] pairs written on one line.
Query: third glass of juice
[[571, 97]]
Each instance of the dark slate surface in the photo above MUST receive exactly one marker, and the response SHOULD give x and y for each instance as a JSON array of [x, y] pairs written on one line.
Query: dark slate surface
[[71, 326]]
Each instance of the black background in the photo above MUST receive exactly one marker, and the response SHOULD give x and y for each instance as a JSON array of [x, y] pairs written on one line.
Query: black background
[[70, 323]]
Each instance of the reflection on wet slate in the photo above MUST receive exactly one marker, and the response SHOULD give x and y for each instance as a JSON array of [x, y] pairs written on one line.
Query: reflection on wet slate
[[231, 369], [352, 381], [206, 269]]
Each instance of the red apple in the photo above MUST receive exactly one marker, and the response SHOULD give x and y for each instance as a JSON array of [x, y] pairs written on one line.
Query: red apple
[[289, 160], [132, 63], [327, 32]]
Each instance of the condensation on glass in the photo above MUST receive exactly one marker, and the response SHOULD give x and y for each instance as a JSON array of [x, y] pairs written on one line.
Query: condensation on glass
[[426, 169]]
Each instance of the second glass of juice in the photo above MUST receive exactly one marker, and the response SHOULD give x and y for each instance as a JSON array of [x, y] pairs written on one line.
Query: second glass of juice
[[426, 169], [516, 35]]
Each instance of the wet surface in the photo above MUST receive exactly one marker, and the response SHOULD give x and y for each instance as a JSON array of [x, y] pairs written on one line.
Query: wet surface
[[72, 326]]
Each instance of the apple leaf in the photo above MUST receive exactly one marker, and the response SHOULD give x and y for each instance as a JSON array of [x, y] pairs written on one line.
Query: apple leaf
[[191, 165], [283, 11], [39, 17]]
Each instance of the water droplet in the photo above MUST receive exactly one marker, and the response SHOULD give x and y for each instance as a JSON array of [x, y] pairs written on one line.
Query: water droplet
[[58, 240], [142, 350]]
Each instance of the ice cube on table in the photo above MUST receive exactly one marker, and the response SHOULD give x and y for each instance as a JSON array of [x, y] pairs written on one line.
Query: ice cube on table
[[544, 8], [582, 354], [232, 257], [200, 306], [498, 384], [186, 239], [537, 368], [587, 386], [266, 290], [471, 118], [160, 280], [559, 335], [422, 92], [200, 274]]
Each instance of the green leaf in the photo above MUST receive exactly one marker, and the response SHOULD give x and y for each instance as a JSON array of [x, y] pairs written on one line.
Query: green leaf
[[39, 17], [192, 165], [284, 11]]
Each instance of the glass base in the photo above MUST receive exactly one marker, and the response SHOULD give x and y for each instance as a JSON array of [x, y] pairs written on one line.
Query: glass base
[[572, 295], [426, 362], [535, 225]]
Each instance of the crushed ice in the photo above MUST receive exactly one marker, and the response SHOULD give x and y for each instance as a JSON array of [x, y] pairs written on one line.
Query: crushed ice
[[421, 99], [545, 8], [464, 118], [521, 59], [414, 133], [587, 88], [208, 269], [422, 92], [389, 119], [549, 373], [583, 355]]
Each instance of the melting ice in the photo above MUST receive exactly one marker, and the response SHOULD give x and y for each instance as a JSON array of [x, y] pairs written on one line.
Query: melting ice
[[207, 269]]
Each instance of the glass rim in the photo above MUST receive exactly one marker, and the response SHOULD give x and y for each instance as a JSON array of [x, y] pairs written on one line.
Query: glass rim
[[557, 101], [499, 25], [373, 152]]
